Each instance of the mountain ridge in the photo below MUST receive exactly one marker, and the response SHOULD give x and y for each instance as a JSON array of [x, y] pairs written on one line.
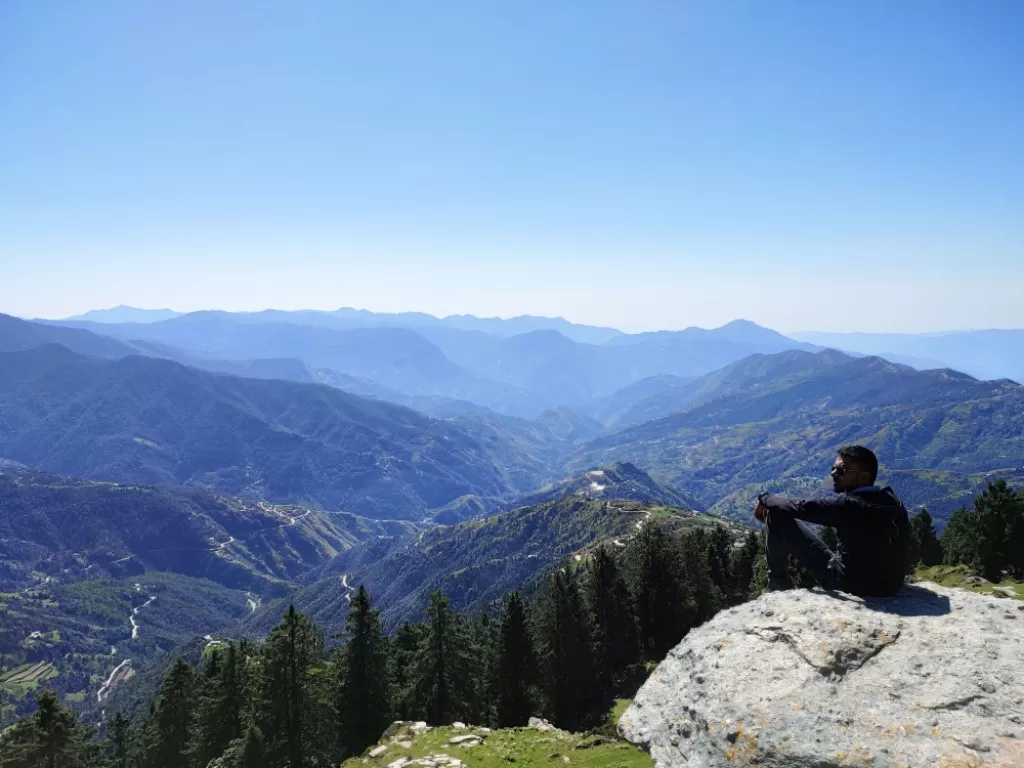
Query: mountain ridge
[[155, 421]]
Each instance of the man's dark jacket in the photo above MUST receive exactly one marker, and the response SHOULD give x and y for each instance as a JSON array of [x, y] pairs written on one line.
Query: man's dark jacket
[[874, 534]]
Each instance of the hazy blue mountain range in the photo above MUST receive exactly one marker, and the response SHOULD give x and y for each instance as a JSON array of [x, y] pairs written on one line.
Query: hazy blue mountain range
[[659, 396], [944, 431], [985, 354], [17, 335], [145, 420], [811, 401], [347, 318], [398, 359], [521, 375], [123, 314]]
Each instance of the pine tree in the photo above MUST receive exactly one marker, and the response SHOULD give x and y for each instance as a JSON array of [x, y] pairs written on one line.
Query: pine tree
[[922, 527], [741, 567], [761, 572], [913, 549], [364, 695], [994, 513], [254, 751], [566, 653], [249, 751], [696, 576], [443, 672], [406, 649], [719, 550], [168, 727], [292, 709], [49, 738], [959, 537], [1015, 537], [615, 636], [218, 718], [664, 604], [482, 657], [119, 742], [516, 669]]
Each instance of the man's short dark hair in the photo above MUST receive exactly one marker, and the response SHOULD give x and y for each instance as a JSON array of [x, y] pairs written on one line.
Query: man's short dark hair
[[861, 458]]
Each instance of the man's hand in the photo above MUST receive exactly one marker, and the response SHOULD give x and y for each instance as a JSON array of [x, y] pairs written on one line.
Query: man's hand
[[761, 512]]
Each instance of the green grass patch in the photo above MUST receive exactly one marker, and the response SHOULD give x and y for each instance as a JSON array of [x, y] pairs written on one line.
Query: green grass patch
[[621, 705], [75, 698], [958, 575], [523, 747]]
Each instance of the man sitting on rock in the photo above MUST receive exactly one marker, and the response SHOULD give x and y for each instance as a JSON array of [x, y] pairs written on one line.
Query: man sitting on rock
[[871, 522]]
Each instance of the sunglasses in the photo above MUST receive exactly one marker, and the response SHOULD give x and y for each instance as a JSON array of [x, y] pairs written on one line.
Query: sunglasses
[[840, 471]]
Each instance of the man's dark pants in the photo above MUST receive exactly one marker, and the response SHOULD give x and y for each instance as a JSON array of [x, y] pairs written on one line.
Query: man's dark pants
[[787, 536]]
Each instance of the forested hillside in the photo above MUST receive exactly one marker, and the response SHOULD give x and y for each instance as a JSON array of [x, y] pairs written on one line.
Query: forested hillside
[[941, 433], [66, 528], [153, 421], [565, 654], [478, 561], [97, 578]]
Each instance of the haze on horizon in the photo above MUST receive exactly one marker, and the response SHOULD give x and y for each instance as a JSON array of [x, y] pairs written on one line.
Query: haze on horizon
[[838, 167]]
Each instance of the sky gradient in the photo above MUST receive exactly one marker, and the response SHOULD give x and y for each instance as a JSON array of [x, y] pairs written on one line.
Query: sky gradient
[[836, 166]]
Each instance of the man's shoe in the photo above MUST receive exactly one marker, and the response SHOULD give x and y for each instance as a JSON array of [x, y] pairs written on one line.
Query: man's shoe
[[778, 585]]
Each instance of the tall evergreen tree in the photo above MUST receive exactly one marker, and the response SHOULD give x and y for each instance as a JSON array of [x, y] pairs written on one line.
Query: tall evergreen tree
[[663, 603], [482, 657], [443, 672], [613, 619], [960, 537], [118, 746], [929, 551], [566, 653], [168, 727], [292, 708], [696, 577], [719, 550], [741, 567], [1015, 537], [516, 668], [50, 738], [218, 719], [994, 513], [913, 549], [364, 693], [254, 751], [249, 751], [760, 582], [407, 649]]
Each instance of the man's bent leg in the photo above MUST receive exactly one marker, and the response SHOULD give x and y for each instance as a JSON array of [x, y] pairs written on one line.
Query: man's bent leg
[[787, 536]]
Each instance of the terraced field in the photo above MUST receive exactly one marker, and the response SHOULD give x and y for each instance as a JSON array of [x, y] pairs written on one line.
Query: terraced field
[[28, 674]]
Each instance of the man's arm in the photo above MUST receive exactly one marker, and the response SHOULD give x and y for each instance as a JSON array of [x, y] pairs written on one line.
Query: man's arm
[[828, 511]]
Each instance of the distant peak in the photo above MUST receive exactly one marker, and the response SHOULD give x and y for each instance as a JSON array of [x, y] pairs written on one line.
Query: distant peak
[[741, 323], [126, 314]]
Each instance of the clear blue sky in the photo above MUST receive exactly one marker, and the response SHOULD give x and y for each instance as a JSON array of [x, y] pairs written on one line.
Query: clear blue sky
[[639, 164]]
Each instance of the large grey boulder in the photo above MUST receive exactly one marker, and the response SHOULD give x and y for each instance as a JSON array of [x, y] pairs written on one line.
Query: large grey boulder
[[932, 678]]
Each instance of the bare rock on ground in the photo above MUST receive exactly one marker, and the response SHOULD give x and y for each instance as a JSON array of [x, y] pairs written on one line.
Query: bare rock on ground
[[931, 678]]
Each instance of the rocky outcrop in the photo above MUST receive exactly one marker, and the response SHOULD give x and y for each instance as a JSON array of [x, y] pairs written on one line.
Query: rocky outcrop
[[932, 678]]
